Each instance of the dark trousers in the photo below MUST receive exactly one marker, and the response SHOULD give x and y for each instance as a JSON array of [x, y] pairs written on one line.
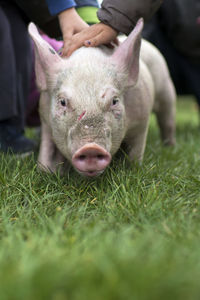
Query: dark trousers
[[185, 73], [15, 64]]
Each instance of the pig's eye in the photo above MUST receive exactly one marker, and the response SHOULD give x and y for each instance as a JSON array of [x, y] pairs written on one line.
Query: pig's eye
[[115, 101], [63, 102]]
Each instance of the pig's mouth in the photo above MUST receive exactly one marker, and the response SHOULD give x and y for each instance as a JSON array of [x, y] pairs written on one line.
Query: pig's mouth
[[90, 173]]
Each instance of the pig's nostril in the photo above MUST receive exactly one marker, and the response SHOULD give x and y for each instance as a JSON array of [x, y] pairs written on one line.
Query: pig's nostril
[[100, 156], [82, 157]]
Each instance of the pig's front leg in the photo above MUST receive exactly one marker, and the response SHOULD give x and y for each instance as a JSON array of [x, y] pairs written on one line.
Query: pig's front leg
[[50, 157], [136, 142]]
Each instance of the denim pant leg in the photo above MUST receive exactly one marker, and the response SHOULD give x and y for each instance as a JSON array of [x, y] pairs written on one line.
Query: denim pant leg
[[15, 64]]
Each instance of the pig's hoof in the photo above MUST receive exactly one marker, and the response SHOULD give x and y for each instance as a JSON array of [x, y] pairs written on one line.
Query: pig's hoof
[[168, 143], [61, 167], [46, 168]]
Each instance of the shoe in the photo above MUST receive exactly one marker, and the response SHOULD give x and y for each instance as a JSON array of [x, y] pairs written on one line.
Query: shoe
[[13, 141]]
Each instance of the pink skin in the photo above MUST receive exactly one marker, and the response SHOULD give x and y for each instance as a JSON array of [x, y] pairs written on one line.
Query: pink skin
[[91, 160]]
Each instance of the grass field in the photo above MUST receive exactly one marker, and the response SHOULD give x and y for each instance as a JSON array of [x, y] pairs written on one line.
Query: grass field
[[133, 233]]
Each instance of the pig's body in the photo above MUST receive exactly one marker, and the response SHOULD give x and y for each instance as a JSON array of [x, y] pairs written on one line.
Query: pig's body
[[88, 106], [165, 96]]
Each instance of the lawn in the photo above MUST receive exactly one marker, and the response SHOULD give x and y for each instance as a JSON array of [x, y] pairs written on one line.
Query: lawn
[[133, 233]]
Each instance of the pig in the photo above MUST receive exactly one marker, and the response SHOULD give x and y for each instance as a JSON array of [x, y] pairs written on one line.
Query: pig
[[98, 99]]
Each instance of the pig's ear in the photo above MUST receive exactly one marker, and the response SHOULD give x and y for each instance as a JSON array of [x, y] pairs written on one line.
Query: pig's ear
[[46, 58], [126, 56]]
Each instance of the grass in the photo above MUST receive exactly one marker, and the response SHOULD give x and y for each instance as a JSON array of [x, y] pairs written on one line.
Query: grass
[[133, 233]]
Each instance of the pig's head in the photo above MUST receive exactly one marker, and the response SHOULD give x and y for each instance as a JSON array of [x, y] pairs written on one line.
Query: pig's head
[[87, 103]]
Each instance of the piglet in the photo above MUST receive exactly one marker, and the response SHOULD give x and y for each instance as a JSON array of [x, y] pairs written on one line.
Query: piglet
[[99, 98]]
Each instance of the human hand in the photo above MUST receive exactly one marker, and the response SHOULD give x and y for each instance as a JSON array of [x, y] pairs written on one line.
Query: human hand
[[92, 36], [70, 24]]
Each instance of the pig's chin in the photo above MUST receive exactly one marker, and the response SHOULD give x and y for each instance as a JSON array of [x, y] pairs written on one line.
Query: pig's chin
[[91, 174]]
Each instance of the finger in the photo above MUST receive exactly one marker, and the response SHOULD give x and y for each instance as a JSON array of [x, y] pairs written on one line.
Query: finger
[[110, 46], [73, 46], [67, 38], [87, 43], [99, 39], [116, 41], [60, 51], [95, 41], [77, 41]]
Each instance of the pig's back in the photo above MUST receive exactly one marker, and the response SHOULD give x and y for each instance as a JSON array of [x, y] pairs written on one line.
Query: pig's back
[[156, 64]]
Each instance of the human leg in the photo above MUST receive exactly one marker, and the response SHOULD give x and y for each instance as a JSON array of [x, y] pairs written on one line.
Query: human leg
[[15, 70], [8, 99]]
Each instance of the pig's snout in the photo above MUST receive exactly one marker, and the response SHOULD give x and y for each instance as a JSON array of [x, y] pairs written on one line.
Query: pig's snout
[[91, 159]]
